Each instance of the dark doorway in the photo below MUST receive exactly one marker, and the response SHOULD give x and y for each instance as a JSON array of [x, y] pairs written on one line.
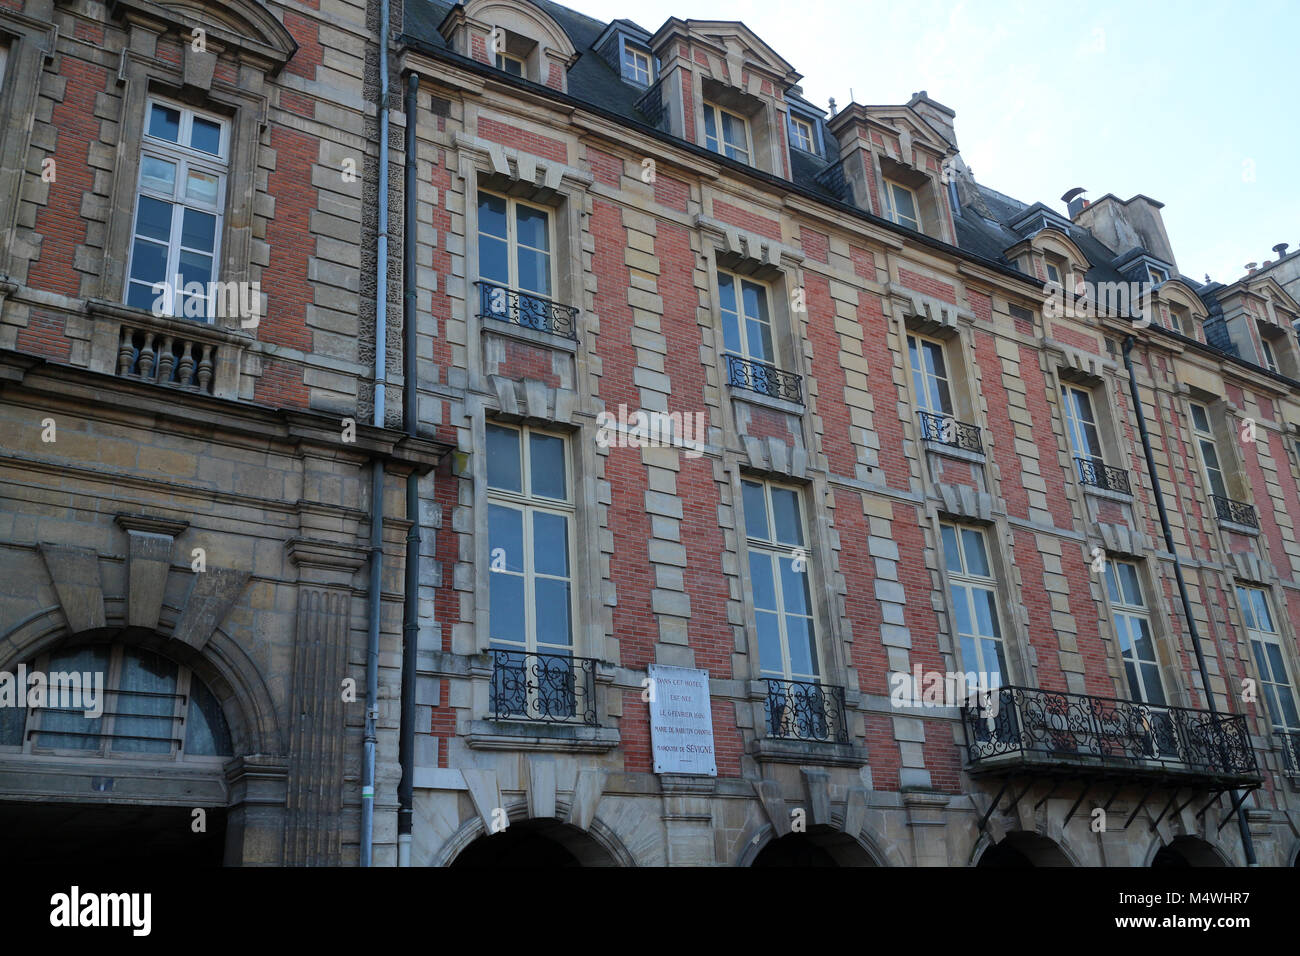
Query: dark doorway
[[1184, 852], [56, 834], [818, 846], [1023, 850]]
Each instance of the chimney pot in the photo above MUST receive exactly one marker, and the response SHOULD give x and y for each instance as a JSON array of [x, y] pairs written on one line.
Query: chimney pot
[[1251, 266], [1280, 249]]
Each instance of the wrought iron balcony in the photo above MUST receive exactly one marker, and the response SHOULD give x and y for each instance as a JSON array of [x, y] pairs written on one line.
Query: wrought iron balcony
[[549, 688], [804, 710], [1077, 732], [526, 310], [948, 431], [1289, 742], [1238, 512], [764, 379], [1099, 475]]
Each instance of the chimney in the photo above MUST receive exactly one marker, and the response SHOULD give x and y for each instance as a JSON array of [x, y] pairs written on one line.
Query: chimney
[[1251, 267], [1280, 249], [936, 114], [1074, 201], [1123, 224]]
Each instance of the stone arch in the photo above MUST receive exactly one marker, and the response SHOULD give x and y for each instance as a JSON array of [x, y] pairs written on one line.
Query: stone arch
[[585, 844], [760, 834], [528, 19], [1185, 850], [1022, 848], [245, 25]]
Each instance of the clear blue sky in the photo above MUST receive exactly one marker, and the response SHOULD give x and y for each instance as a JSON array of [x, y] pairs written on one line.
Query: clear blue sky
[[1196, 104]]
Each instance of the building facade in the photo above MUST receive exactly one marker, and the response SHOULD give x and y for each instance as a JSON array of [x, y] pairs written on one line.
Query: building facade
[[705, 377]]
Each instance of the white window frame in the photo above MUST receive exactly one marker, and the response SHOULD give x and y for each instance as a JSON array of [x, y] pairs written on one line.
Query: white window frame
[[1125, 611], [773, 551], [1074, 425], [918, 343], [502, 58], [891, 205], [529, 504], [1269, 354], [720, 142], [1259, 636], [961, 584], [743, 318], [637, 55], [800, 125], [513, 244], [1203, 438], [184, 158]]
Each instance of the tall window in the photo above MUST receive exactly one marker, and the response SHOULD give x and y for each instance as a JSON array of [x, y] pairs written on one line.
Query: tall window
[[778, 570], [1178, 320], [1133, 629], [929, 375], [1081, 424], [514, 243], [1266, 645], [144, 706], [802, 136], [637, 66], [1270, 358], [901, 205], [530, 524], [180, 196], [974, 598], [746, 322], [1208, 450], [726, 132], [511, 64]]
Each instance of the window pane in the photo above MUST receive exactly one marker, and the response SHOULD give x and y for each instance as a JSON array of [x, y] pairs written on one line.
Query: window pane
[[1134, 687], [531, 227], [1275, 663], [760, 341], [195, 267], [206, 135], [1199, 419], [710, 128], [1129, 586], [165, 123], [148, 262], [727, 292], [153, 218], [731, 333], [903, 203], [206, 731], [1262, 614], [492, 215], [506, 615], [976, 560], [143, 297], [157, 174], [141, 714], [201, 187], [986, 615], [546, 458], [961, 604], [198, 230], [755, 502], [503, 458], [769, 644], [785, 513], [552, 613], [71, 729], [755, 297], [550, 544], [993, 662], [1123, 634], [803, 656], [1112, 586], [951, 551], [1142, 645], [760, 573], [534, 271], [1151, 682], [505, 539], [494, 266], [1247, 608], [794, 587]]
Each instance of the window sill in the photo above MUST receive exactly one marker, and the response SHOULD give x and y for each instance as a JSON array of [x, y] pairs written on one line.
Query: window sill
[[1106, 494], [952, 451], [820, 752], [521, 333], [1238, 528], [766, 401], [534, 735]]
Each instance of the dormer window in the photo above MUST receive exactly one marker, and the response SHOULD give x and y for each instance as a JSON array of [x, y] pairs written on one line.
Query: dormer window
[[1178, 321], [510, 64], [726, 132], [1270, 359], [901, 205], [802, 135], [638, 68], [1156, 276]]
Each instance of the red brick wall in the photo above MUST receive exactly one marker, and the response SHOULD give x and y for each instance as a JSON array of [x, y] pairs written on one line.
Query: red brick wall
[[529, 142]]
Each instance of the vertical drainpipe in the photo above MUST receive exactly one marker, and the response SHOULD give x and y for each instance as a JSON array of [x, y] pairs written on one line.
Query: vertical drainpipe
[[377, 465], [1246, 842], [410, 603]]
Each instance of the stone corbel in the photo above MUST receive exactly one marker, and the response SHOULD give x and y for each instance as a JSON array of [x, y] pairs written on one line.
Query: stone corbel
[[531, 400], [774, 457], [150, 541], [962, 501]]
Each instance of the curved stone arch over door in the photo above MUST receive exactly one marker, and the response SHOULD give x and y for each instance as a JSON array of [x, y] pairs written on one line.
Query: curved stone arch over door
[[595, 845]]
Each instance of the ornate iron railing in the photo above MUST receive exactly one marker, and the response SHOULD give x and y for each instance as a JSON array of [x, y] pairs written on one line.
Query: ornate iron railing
[[1289, 742], [948, 431], [1238, 512], [764, 379], [551, 688], [526, 310], [804, 710], [1048, 727], [1099, 475]]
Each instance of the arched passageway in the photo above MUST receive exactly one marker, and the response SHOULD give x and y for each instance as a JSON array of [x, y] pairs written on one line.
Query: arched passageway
[[1187, 851], [819, 846], [1023, 850], [535, 843]]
